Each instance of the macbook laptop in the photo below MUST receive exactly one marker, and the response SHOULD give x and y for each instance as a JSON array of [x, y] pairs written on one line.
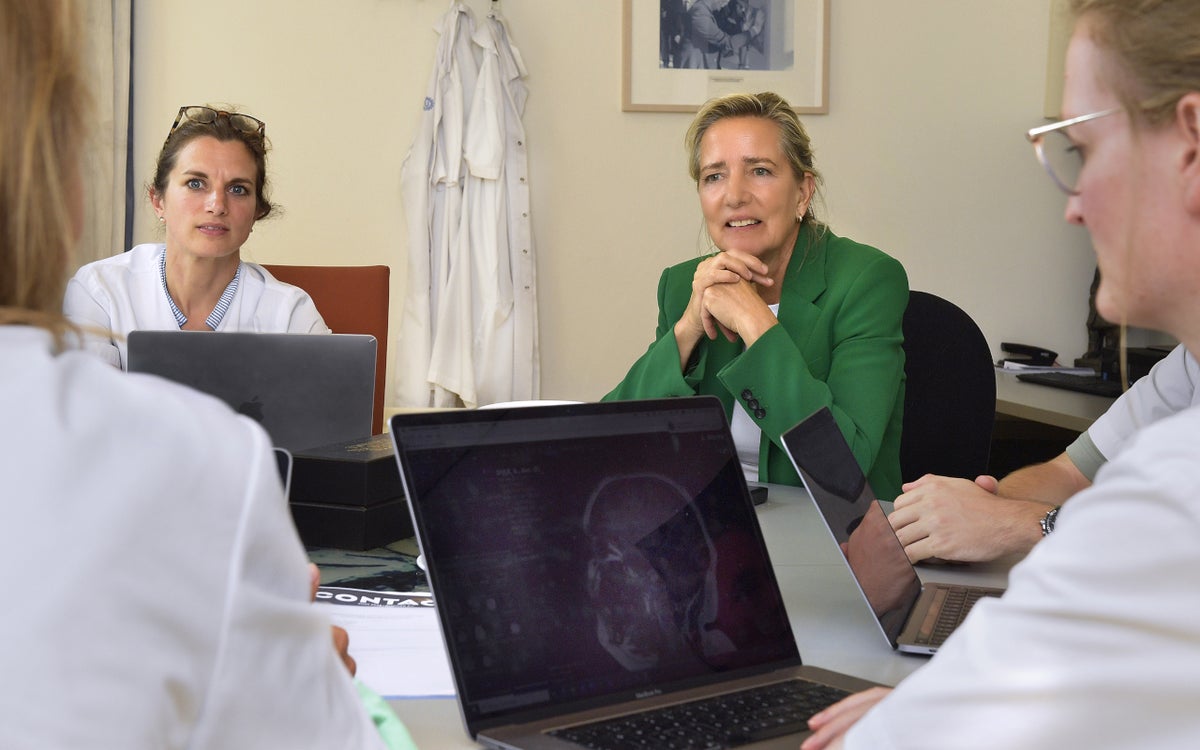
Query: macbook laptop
[[595, 565], [305, 389], [914, 618]]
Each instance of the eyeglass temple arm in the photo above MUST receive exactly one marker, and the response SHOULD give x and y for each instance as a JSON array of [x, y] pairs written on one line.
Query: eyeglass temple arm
[[1038, 132]]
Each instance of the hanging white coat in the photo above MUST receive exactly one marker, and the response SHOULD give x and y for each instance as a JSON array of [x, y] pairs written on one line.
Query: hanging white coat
[[469, 331]]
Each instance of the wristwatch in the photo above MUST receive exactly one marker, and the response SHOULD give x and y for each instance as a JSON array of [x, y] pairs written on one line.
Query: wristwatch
[[1049, 519]]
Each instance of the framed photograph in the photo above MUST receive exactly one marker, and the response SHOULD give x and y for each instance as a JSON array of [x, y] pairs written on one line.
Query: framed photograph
[[678, 54]]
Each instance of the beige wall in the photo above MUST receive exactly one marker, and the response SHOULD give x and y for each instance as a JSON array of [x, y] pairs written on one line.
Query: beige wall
[[923, 152]]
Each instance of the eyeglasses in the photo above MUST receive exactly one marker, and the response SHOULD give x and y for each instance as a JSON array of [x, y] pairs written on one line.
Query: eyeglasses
[[207, 115], [1058, 153]]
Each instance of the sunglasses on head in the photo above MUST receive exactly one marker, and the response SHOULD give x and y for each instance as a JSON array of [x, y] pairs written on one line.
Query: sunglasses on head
[[207, 115]]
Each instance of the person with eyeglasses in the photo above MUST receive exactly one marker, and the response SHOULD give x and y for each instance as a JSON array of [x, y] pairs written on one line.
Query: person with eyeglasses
[[209, 189], [1093, 643], [962, 520]]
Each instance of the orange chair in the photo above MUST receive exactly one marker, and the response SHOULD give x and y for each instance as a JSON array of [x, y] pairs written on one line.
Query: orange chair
[[351, 299]]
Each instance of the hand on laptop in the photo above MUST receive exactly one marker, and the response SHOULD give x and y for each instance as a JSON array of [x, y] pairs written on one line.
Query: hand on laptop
[[831, 724], [341, 639], [943, 519]]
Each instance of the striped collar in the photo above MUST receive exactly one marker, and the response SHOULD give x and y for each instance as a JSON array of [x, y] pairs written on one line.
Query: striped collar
[[214, 318]]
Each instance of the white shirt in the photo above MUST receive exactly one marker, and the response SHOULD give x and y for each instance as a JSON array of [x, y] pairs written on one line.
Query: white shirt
[[747, 436], [156, 591], [1169, 387], [124, 293], [1096, 642]]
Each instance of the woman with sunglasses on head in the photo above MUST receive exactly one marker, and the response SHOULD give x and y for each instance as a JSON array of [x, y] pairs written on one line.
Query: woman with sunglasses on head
[[209, 188], [1095, 641]]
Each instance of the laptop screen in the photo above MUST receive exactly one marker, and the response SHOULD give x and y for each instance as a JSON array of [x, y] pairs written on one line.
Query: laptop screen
[[587, 551], [849, 508], [306, 390]]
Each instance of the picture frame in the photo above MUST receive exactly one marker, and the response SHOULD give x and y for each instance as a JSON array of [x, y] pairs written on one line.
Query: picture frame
[[747, 46]]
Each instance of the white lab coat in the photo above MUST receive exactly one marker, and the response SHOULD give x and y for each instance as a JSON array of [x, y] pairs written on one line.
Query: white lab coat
[[430, 180], [469, 329], [1096, 640], [157, 593], [124, 293], [506, 341]]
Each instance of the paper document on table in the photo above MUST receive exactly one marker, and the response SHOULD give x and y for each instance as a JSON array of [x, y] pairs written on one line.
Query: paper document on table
[[395, 639]]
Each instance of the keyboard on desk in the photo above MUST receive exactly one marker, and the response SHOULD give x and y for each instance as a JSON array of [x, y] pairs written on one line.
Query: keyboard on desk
[[729, 720], [951, 607], [1092, 384]]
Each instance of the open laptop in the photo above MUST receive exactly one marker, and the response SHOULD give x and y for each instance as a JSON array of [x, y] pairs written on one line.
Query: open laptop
[[305, 389], [914, 618], [595, 562]]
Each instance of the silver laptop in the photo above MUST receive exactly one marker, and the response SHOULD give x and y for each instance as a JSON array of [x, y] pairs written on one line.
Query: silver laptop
[[914, 618], [595, 563], [305, 389]]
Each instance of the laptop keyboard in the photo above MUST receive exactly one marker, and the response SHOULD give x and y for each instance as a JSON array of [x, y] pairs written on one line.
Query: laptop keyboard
[[723, 721], [955, 604]]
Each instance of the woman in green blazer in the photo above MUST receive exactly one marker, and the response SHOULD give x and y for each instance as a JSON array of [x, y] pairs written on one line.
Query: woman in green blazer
[[785, 317]]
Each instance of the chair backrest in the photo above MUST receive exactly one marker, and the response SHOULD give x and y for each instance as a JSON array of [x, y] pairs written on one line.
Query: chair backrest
[[950, 394], [351, 299]]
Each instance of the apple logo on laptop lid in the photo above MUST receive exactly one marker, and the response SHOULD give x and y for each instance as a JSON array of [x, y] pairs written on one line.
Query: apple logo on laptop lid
[[252, 408]]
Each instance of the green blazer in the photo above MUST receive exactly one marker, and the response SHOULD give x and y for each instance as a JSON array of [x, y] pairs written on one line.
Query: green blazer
[[838, 345]]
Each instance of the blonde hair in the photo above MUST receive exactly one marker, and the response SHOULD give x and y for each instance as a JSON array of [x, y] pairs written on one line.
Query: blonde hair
[[1156, 43], [1155, 61], [793, 139], [42, 135]]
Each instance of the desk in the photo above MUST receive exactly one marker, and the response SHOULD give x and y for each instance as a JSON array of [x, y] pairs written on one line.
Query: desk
[[1053, 406], [832, 624]]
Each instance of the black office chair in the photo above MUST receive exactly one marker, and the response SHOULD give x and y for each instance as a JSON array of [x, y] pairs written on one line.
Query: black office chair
[[950, 396]]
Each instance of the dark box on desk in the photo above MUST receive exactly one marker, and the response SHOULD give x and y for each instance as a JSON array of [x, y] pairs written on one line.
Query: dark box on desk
[[359, 473], [347, 527]]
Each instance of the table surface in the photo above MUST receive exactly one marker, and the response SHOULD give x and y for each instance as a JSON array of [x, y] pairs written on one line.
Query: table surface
[[833, 626], [1053, 406]]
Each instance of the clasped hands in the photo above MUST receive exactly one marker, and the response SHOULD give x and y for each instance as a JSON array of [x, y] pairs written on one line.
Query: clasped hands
[[725, 299]]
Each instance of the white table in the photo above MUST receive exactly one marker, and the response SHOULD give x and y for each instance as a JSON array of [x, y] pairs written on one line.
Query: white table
[[832, 624], [1053, 406]]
